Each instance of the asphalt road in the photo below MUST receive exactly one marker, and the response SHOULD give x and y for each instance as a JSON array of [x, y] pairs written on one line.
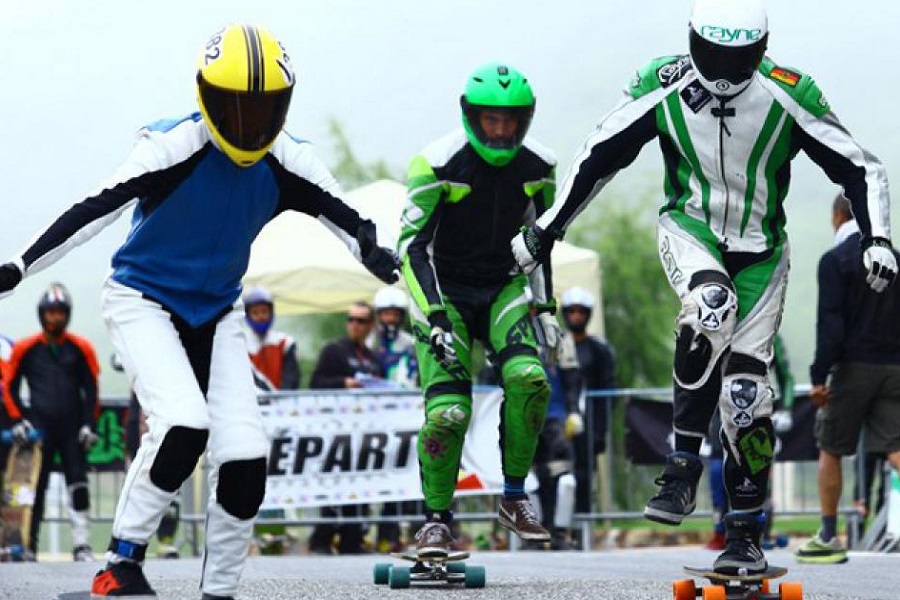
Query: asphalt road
[[642, 574]]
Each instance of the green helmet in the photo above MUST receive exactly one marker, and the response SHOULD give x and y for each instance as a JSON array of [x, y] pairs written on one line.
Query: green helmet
[[506, 91]]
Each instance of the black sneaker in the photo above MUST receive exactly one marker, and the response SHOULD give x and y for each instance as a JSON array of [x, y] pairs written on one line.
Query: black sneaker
[[742, 554], [211, 597], [677, 498], [124, 579]]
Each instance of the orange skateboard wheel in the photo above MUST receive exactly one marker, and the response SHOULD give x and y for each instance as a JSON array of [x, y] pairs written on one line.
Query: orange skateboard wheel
[[713, 592], [684, 589], [791, 590]]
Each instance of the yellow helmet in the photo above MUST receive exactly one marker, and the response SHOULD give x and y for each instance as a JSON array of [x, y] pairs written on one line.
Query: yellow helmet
[[244, 85]]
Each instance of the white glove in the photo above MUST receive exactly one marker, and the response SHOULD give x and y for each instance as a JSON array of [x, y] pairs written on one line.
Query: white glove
[[87, 438], [880, 264], [441, 339], [574, 425], [782, 421], [22, 430], [549, 331], [531, 247]]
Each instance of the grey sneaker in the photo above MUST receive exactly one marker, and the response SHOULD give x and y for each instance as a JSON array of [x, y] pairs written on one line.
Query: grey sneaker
[[518, 515], [82, 554], [818, 551], [433, 540], [677, 496]]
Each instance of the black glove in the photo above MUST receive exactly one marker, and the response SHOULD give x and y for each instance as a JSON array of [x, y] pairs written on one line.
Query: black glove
[[10, 276], [381, 262], [441, 338]]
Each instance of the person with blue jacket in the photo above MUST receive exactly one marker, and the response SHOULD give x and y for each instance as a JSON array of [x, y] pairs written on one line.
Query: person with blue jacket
[[201, 189]]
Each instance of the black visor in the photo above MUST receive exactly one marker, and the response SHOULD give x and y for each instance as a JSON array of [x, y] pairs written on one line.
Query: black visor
[[735, 64], [247, 120], [520, 114]]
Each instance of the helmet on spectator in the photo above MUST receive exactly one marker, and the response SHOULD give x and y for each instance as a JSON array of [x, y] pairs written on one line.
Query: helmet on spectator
[[56, 296], [577, 298], [255, 296]]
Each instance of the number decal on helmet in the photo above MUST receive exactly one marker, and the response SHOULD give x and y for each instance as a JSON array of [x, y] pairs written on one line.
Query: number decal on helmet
[[284, 63], [214, 47]]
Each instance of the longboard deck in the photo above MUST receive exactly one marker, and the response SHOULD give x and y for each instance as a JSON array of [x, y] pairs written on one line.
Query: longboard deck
[[714, 576], [413, 557]]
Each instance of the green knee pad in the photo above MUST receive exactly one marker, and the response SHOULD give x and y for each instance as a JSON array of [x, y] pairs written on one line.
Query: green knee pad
[[440, 446], [527, 394]]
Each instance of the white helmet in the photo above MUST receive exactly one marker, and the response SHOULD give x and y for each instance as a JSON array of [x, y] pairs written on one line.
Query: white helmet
[[728, 40], [577, 296], [390, 297]]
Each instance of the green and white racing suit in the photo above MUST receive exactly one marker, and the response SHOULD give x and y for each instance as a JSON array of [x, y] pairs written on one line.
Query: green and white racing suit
[[454, 245], [721, 233]]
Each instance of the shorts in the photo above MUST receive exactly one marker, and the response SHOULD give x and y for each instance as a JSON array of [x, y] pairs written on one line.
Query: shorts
[[861, 394]]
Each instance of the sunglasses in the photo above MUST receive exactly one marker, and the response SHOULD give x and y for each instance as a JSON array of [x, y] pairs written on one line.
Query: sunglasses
[[352, 319]]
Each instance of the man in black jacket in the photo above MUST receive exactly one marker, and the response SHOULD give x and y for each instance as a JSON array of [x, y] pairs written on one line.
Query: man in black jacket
[[349, 364], [598, 372], [858, 344]]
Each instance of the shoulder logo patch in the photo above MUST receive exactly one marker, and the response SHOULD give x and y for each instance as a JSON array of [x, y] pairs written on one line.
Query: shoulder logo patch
[[784, 76], [672, 72]]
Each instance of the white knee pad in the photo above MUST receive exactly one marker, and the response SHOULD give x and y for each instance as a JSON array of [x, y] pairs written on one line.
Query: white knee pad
[[745, 398], [705, 327], [565, 501]]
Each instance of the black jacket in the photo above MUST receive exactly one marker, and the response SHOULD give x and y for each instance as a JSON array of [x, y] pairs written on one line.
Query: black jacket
[[339, 360], [854, 323]]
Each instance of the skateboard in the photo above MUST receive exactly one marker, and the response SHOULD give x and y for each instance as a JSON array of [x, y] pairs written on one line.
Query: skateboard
[[432, 569], [22, 469], [735, 587]]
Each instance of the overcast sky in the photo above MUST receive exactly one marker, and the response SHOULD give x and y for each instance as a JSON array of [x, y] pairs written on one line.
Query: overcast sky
[[80, 77]]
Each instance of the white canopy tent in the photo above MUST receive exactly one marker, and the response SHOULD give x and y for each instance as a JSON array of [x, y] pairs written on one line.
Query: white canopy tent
[[309, 270]]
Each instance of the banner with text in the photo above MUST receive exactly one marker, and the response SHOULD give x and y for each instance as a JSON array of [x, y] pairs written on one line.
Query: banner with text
[[331, 448]]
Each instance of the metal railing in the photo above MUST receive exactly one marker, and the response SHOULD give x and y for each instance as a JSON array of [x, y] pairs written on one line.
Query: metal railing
[[619, 494]]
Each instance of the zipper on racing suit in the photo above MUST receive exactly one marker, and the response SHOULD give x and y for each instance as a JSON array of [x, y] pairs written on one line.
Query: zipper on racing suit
[[721, 112]]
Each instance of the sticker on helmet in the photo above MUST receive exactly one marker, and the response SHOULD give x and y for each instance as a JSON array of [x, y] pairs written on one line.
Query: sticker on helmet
[[284, 64], [786, 77], [214, 47]]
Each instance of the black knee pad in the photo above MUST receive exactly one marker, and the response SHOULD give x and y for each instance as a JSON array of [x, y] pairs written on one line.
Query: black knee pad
[[80, 498], [242, 485], [177, 456], [747, 475]]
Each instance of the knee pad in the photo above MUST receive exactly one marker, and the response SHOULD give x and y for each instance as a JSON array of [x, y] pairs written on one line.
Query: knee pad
[[745, 398], [705, 327], [241, 487], [177, 456], [748, 460], [80, 497], [525, 382], [449, 412]]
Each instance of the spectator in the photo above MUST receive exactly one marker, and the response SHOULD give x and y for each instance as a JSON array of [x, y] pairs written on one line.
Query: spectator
[[349, 364], [554, 458], [61, 371], [858, 346], [395, 350], [273, 353], [598, 372], [6, 345], [275, 367]]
